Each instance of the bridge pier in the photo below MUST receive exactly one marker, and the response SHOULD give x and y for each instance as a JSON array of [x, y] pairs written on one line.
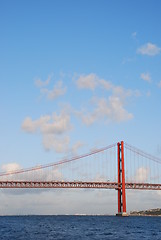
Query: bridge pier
[[121, 181]]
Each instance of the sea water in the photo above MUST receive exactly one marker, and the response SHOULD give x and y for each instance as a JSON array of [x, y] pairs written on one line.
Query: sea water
[[79, 227]]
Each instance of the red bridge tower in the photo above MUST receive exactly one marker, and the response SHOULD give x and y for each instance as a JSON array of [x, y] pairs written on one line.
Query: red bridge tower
[[121, 180]]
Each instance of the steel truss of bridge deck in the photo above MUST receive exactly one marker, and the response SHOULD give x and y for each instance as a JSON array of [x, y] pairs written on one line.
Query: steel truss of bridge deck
[[57, 184], [143, 186], [77, 184]]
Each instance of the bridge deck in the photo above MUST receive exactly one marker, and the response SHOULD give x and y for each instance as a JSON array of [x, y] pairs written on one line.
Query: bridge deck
[[77, 184]]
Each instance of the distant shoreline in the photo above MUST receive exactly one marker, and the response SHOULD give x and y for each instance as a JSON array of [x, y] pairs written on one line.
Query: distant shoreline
[[147, 213]]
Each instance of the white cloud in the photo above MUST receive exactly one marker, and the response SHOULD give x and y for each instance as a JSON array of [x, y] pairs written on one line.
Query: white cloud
[[159, 84], [53, 128], [58, 144], [122, 93], [88, 118], [111, 109], [107, 85], [159, 193], [10, 167], [47, 174], [134, 34], [117, 111], [54, 124], [100, 178], [127, 60], [56, 92], [145, 77], [87, 81], [91, 81], [149, 49], [148, 93], [76, 146], [142, 174], [52, 202], [40, 83], [28, 125]]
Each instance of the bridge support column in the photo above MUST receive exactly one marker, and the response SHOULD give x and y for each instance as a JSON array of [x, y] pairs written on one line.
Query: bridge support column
[[121, 180]]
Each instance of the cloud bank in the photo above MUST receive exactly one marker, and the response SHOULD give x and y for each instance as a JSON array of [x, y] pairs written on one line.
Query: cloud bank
[[106, 102]]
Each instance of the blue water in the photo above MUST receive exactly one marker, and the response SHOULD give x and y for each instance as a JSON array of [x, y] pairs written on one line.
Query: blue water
[[79, 227]]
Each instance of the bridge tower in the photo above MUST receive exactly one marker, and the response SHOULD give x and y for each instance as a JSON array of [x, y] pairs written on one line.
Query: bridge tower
[[121, 180]]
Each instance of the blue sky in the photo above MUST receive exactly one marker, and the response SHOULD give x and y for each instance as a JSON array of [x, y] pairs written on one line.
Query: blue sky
[[77, 75]]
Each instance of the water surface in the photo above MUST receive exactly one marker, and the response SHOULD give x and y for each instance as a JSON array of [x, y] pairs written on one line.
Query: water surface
[[79, 227]]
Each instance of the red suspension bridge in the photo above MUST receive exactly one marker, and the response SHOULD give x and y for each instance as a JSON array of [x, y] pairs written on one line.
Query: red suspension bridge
[[118, 166]]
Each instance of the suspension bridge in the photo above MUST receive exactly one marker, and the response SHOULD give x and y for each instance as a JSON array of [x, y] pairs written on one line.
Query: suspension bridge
[[119, 166]]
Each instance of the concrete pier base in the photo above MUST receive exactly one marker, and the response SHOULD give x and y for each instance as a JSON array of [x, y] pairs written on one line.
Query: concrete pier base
[[122, 214]]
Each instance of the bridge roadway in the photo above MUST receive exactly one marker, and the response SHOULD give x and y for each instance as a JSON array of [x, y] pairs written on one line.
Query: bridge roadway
[[77, 184]]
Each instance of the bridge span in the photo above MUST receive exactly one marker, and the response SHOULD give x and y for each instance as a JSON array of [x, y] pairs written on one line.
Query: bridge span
[[118, 166]]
